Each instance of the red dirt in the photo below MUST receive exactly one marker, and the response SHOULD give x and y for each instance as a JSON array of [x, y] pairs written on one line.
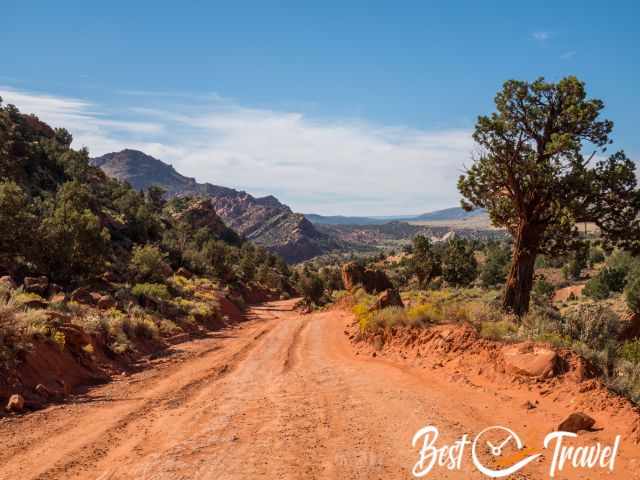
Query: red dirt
[[563, 294], [287, 396]]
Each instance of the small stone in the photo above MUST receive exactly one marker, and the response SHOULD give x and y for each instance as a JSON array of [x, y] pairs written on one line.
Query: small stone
[[576, 422], [16, 403]]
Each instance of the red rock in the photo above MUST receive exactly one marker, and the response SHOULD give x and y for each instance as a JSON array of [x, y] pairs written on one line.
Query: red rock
[[576, 422], [16, 403], [530, 360]]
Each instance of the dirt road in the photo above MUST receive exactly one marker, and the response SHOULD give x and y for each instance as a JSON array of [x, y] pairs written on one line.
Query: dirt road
[[281, 396]]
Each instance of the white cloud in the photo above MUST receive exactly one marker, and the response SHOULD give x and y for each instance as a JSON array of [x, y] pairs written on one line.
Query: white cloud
[[568, 55], [324, 166], [541, 36]]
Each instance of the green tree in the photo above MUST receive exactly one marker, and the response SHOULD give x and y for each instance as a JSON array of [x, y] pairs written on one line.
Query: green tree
[[459, 265], [74, 243], [425, 263], [578, 261], [532, 178], [17, 224], [494, 271], [148, 264]]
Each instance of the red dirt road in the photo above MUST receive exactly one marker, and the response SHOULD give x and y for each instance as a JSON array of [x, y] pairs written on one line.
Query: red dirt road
[[281, 396]]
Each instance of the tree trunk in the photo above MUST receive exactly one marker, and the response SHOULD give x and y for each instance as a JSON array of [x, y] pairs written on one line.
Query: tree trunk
[[520, 279]]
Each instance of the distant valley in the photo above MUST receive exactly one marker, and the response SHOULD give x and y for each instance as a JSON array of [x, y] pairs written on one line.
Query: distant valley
[[296, 237]]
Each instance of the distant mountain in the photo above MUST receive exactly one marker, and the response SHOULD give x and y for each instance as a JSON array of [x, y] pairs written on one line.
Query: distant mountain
[[342, 220], [264, 220], [454, 214]]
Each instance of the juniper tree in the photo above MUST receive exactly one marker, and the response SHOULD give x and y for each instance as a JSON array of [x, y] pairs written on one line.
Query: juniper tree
[[533, 179]]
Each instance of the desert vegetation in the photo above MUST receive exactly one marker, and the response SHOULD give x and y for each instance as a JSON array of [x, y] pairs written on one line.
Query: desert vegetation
[[95, 267], [553, 282]]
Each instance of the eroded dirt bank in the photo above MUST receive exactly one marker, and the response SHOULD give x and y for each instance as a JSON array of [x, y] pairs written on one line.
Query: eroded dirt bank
[[281, 396]]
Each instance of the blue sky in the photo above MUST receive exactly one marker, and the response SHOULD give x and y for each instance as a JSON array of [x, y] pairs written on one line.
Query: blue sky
[[335, 107]]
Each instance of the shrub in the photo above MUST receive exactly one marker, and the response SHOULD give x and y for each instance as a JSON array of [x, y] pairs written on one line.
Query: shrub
[[597, 288], [421, 315], [542, 288], [630, 351], [594, 325], [152, 291], [614, 277], [363, 315], [500, 330], [625, 380], [388, 317], [148, 264], [632, 292], [311, 287]]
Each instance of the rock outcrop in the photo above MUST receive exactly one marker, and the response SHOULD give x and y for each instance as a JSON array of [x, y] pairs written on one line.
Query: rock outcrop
[[372, 280]]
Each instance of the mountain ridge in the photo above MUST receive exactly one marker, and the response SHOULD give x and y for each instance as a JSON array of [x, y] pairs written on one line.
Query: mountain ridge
[[452, 213], [264, 220]]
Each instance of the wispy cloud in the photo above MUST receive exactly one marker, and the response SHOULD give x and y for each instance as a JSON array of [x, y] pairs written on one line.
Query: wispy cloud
[[541, 36], [568, 55], [329, 166]]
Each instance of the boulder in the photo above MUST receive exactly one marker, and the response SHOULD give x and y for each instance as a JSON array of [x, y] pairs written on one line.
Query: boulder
[[105, 302], [83, 296], [372, 280], [38, 285], [530, 360], [388, 298], [576, 422], [16, 403], [7, 281]]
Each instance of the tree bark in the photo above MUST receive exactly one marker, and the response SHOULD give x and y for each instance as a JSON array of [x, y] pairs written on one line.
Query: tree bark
[[520, 280]]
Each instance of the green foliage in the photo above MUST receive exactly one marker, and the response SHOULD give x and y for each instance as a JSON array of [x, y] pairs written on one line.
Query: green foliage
[[153, 291], [611, 278], [76, 244], [578, 261], [632, 291], [543, 289], [148, 264], [597, 288], [425, 262], [494, 271], [595, 325], [630, 351], [459, 265], [311, 287], [17, 224], [62, 217]]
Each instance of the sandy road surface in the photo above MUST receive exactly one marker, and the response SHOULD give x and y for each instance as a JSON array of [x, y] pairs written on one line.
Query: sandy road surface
[[281, 396]]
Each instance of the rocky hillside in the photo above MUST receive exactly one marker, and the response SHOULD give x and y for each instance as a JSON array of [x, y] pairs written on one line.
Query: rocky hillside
[[263, 220]]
